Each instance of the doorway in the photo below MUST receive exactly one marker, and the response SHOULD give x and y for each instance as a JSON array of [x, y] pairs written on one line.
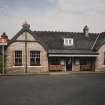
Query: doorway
[[69, 64]]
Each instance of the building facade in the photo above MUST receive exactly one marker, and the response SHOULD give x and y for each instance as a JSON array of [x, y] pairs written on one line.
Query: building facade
[[43, 51]]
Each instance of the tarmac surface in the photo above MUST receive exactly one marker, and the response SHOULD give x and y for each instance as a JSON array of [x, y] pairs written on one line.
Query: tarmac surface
[[68, 89]]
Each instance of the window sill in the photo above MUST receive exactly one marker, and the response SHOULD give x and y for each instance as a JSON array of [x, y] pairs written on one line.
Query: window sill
[[35, 66], [17, 66]]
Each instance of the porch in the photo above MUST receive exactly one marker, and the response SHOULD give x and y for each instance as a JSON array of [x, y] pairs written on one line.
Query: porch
[[65, 64]]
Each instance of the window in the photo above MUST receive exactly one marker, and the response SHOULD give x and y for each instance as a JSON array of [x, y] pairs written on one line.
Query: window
[[34, 58], [68, 41], [18, 58]]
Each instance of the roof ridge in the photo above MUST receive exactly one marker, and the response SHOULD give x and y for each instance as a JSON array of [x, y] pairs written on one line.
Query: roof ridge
[[55, 31]]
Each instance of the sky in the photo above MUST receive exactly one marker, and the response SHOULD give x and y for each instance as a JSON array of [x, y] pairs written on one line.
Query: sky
[[52, 15]]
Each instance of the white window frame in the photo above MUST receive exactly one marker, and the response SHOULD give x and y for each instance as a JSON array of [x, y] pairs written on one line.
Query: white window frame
[[68, 41], [18, 58], [34, 55]]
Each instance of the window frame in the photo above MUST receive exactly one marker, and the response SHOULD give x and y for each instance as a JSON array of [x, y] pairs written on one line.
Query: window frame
[[68, 41], [34, 58], [18, 58]]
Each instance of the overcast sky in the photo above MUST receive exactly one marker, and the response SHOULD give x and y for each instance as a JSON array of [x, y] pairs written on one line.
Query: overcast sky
[[60, 15]]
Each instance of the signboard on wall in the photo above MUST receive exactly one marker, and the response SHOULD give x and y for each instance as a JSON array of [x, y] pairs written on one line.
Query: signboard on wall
[[3, 41]]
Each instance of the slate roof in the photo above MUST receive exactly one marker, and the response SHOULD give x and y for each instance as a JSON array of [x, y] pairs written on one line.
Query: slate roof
[[53, 42], [100, 41]]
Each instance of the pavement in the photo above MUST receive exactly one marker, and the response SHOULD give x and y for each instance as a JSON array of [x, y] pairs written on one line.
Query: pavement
[[53, 73], [69, 89]]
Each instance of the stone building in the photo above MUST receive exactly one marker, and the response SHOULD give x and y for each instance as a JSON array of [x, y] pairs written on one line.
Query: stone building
[[44, 51]]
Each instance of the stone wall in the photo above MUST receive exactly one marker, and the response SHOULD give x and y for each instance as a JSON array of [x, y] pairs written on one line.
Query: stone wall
[[100, 59], [11, 68]]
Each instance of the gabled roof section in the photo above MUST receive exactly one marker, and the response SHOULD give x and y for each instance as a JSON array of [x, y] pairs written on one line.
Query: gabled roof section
[[19, 33], [100, 41], [26, 28]]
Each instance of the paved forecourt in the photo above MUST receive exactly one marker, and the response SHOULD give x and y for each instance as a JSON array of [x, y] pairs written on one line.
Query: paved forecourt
[[69, 89]]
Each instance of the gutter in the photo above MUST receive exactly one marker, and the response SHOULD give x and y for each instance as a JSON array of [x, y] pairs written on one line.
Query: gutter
[[69, 55]]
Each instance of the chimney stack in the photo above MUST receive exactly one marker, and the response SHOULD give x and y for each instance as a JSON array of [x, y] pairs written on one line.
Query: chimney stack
[[86, 31]]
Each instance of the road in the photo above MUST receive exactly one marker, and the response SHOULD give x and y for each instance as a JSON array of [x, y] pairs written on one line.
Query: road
[[69, 89]]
